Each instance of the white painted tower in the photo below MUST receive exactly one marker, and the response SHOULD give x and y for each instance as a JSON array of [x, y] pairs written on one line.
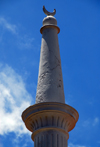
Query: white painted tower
[[50, 119]]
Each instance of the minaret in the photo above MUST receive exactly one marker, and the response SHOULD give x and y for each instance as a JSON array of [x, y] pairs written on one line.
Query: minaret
[[50, 119]]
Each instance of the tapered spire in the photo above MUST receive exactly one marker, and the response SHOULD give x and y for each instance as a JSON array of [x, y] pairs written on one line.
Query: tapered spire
[[50, 81]]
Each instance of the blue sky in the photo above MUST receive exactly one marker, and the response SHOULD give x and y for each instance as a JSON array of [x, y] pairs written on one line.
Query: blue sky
[[20, 42]]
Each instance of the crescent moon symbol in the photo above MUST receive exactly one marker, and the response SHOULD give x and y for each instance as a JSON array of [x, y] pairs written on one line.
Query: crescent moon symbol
[[49, 13]]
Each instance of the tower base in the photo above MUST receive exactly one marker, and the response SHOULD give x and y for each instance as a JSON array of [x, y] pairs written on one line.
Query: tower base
[[50, 123]]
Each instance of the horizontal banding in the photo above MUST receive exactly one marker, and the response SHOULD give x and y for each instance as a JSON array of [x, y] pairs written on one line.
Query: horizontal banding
[[50, 26], [47, 129]]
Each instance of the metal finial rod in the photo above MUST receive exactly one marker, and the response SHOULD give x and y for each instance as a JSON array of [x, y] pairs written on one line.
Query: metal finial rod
[[49, 13]]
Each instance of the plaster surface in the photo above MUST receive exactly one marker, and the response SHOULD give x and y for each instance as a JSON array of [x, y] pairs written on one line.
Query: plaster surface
[[50, 82]]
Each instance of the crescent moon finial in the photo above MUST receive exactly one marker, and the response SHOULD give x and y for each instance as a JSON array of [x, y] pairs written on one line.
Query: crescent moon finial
[[49, 13]]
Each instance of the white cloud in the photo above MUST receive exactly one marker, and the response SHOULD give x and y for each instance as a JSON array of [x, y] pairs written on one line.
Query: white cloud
[[96, 121], [73, 145], [98, 142], [91, 122], [1, 145], [86, 123], [26, 42], [23, 41], [14, 98], [10, 27]]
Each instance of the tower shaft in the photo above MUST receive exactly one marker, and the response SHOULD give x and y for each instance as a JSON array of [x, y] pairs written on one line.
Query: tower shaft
[[50, 83]]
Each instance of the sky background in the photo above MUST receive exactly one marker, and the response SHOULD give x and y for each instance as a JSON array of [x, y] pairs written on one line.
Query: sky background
[[20, 42]]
